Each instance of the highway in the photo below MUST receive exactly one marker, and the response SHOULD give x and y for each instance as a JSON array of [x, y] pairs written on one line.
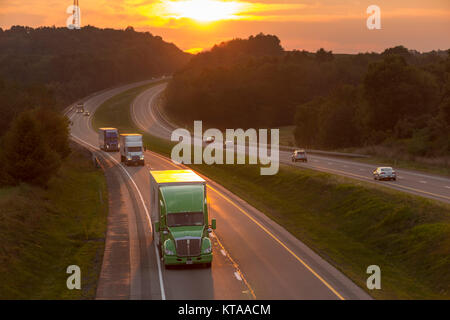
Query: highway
[[254, 258], [149, 117]]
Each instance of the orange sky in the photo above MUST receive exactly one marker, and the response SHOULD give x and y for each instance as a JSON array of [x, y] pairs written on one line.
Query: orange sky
[[338, 25]]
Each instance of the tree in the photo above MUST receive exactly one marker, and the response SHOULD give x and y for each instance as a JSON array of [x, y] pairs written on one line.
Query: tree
[[55, 130], [324, 56], [26, 155], [394, 89]]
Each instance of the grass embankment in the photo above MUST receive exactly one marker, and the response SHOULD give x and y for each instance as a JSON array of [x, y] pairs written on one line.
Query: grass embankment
[[351, 224], [43, 231]]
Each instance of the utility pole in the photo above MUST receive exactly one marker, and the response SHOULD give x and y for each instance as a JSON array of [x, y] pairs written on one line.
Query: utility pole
[[76, 14]]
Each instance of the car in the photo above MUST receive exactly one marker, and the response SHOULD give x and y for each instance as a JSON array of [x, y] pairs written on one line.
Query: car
[[384, 173], [299, 155], [87, 113], [210, 139]]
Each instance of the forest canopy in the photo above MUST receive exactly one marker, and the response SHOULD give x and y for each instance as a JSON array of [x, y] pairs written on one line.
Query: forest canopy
[[53, 67], [334, 100]]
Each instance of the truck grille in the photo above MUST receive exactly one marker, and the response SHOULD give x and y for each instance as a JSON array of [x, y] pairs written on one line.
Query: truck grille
[[135, 158], [188, 247]]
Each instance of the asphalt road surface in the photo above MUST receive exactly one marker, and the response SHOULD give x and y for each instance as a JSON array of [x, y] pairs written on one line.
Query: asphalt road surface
[[149, 117], [254, 258]]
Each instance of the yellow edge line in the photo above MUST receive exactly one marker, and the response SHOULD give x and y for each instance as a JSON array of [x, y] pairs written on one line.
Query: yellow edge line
[[280, 242], [274, 237], [236, 267]]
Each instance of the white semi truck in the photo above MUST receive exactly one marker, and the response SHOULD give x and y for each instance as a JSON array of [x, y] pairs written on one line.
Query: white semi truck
[[132, 149]]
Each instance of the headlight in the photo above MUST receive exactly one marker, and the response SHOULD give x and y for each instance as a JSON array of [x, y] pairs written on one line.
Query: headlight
[[142, 157], [169, 252], [129, 158], [207, 250], [168, 243], [206, 245]]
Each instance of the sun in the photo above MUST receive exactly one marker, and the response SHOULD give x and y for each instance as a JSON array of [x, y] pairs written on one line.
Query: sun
[[204, 10]]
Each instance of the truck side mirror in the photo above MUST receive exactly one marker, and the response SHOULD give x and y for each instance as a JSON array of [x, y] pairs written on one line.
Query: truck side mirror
[[157, 226], [213, 224]]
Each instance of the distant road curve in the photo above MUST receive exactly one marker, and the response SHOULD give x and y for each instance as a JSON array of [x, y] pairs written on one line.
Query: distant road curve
[[254, 258], [149, 118]]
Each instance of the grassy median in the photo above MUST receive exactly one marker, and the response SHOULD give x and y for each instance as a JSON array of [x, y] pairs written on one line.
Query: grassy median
[[43, 231], [351, 224]]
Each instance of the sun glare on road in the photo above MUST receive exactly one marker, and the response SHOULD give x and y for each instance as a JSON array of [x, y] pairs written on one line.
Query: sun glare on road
[[204, 10]]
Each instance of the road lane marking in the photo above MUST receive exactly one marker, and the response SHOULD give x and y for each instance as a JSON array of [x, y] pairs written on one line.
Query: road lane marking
[[161, 284], [281, 243], [223, 252], [265, 230], [422, 181], [236, 274], [370, 180]]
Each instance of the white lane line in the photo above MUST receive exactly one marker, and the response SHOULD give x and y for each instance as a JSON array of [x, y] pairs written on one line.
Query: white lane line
[[158, 260], [238, 276], [422, 181], [182, 166], [448, 187], [223, 252]]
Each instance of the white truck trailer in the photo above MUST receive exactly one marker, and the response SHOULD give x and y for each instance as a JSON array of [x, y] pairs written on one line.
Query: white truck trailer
[[132, 149]]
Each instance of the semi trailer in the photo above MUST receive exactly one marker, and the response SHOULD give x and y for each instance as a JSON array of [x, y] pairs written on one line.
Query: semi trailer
[[132, 149], [179, 203], [108, 139]]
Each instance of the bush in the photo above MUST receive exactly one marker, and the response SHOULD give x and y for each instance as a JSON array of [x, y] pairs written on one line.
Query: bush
[[26, 153]]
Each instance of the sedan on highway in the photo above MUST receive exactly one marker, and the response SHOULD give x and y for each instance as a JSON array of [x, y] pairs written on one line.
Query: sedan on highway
[[299, 155], [384, 173]]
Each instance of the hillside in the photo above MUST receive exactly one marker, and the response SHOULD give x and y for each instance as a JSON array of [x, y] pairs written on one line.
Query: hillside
[[53, 67], [399, 97]]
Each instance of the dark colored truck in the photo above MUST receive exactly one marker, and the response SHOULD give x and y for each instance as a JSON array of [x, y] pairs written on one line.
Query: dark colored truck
[[108, 139]]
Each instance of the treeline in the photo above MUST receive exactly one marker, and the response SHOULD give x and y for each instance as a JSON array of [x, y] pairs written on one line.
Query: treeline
[[398, 103], [62, 65], [45, 69], [335, 100]]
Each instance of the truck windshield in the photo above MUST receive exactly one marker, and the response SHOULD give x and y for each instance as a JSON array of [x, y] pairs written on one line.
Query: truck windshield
[[185, 219], [134, 149]]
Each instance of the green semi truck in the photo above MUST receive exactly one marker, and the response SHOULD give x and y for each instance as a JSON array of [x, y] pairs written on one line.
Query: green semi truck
[[179, 203]]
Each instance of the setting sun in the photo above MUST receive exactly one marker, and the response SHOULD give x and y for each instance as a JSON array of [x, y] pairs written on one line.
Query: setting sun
[[204, 10]]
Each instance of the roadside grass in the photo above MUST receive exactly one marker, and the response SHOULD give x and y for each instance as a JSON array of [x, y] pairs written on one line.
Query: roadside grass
[[43, 231], [351, 224], [424, 165]]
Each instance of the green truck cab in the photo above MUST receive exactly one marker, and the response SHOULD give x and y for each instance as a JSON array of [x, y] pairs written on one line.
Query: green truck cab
[[180, 209]]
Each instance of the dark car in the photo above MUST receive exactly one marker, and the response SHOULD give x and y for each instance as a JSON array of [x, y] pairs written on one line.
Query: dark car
[[384, 173]]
